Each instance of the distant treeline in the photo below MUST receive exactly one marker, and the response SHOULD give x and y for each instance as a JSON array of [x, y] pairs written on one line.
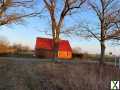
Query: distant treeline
[[87, 56], [7, 49], [78, 54]]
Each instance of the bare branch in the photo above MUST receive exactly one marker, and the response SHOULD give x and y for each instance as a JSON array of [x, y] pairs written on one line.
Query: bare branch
[[96, 9], [6, 18], [68, 7]]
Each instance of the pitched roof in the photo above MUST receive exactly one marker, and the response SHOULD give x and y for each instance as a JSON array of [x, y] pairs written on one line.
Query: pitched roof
[[47, 43]]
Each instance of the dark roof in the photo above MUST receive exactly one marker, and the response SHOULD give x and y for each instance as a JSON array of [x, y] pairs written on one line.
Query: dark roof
[[47, 43]]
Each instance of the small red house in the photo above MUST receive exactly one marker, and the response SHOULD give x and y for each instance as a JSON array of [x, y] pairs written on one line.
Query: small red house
[[44, 48]]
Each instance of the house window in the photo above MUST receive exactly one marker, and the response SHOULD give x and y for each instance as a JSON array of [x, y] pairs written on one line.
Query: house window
[[59, 53]]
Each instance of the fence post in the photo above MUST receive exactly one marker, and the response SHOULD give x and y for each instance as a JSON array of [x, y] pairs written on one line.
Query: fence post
[[119, 63], [115, 60]]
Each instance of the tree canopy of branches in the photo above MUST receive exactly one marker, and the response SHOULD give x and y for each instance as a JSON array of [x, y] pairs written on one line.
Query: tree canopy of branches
[[108, 13], [66, 8], [8, 12]]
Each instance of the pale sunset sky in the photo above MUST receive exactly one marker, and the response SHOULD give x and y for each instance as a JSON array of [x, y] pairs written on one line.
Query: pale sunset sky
[[26, 31]]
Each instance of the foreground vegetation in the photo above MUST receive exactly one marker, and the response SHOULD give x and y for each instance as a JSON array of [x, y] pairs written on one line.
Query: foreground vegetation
[[55, 76]]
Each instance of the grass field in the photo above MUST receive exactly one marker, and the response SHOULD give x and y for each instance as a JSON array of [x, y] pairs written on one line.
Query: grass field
[[16, 75]]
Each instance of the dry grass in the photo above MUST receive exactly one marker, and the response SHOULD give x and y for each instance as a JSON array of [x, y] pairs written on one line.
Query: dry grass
[[51, 76]]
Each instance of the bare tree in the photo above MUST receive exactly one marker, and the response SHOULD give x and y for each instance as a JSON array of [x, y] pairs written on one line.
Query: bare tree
[[108, 13], [4, 45], [7, 15], [67, 7]]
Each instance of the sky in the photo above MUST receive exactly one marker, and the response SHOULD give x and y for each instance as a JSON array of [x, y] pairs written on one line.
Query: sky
[[26, 31]]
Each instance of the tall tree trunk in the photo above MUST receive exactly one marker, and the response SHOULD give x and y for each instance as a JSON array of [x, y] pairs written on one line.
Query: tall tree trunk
[[56, 43], [101, 65], [102, 52], [55, 33], [102, 42], [55, 48]]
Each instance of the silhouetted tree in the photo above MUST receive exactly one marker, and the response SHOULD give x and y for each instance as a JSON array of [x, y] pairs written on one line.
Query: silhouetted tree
[[66, 8], [108, 13]]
